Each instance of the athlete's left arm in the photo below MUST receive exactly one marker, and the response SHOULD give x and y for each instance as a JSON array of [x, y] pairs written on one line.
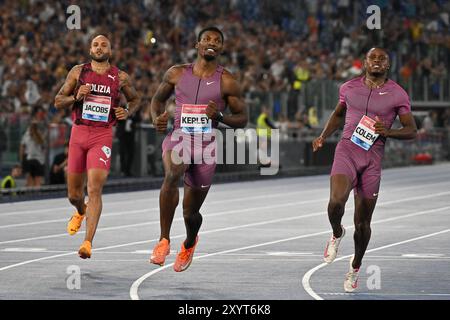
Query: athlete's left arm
[[232, 94], [133, 99], [407, 132]]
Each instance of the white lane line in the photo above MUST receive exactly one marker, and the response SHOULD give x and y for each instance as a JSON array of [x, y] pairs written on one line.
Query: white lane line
[[135, 286], [106, 215], [25, 250], [235, 199], [205, 232], [146, 211], [299, 185], [266, 255], [222, 213], [142, 224], [423, 255], [148, 241], [385, 294], [307, 277], [115, 203]]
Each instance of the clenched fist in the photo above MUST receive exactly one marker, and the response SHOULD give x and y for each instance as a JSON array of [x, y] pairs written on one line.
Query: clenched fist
[[121, 113], [318, 143], [83, 91], [160, 122], [211, 110]]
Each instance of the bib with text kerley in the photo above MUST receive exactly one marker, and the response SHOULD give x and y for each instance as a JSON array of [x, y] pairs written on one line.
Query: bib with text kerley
[[194, 119], [96, 108], [364, 135]]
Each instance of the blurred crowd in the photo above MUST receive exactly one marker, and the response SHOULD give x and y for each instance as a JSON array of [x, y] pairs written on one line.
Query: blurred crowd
[[269, 45]]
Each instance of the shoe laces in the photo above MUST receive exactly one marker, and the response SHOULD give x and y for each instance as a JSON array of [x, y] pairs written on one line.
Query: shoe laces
[[76, 218], [160, 248], [352, 276], [185, 253]]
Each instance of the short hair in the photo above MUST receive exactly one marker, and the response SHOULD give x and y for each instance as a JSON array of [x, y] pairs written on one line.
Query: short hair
[[215, 29], [16, 166]]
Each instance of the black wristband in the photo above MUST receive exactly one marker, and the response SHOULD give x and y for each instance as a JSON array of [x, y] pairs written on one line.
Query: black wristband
[[219, 117]]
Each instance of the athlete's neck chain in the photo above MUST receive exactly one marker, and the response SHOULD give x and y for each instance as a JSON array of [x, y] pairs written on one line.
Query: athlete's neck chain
[[376, 85]]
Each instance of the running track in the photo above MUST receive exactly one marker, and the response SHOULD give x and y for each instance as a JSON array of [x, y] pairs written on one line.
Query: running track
[[259, 240]]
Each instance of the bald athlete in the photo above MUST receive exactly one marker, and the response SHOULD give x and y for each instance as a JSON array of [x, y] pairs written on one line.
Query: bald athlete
[[92, 91], [370, 104]]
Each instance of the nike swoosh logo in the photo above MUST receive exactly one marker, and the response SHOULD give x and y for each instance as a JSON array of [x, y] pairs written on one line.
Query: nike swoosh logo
[[382, 93], [204, 186], [208, 83], [375, 194]]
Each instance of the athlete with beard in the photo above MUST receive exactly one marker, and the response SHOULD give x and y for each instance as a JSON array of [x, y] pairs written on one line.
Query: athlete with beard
[[369, 104], [92, 90], [202, 90]]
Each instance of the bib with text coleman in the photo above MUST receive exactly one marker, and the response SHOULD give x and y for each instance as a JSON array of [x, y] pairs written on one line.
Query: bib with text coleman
[[364, 135], [96, 108], [194, 119]]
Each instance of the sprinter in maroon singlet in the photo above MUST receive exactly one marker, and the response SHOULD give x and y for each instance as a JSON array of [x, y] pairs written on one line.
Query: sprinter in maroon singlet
[[370, 104], [92, 90], [203, 89]]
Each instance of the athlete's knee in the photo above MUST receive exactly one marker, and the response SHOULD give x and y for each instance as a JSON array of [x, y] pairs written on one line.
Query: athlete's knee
[[171, 179], [94, 190], [75, 196], [362, 226], [337, 203]]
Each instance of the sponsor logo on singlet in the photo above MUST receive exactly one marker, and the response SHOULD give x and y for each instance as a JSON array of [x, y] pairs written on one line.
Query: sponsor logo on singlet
[[99, 88]]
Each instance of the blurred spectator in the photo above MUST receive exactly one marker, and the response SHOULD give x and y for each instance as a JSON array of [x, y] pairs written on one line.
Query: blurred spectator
[[271, 44], [126, 131], [298, 120], [313, 118], [9, 182], [427, 123], [32, 154], [301, 74], [283, 124], [274, 46], [3, 145], [264, 126], [58, 170]]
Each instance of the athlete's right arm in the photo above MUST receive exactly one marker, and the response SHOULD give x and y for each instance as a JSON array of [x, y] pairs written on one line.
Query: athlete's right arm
[[65, 97], [333, 123], [159, 117]]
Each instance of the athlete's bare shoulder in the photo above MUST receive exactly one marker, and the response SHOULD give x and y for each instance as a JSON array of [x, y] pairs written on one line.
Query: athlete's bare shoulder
[[226, 74], [124, 78], [178, 69], [230, 85], [71, 81], [74, 73], [174, 73]]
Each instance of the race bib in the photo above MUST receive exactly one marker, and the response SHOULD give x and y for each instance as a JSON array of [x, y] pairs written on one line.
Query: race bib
[[194, 119], [96, 108], [364, 135]]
